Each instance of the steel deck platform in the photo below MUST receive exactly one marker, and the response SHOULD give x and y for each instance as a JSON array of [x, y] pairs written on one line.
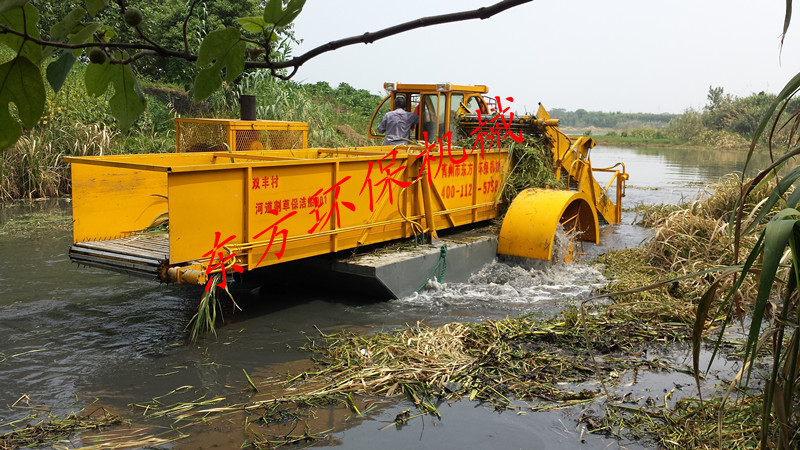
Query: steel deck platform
[[139, 254]]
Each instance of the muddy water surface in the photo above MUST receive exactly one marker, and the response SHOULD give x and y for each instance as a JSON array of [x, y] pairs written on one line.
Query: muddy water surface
[[72, 337]]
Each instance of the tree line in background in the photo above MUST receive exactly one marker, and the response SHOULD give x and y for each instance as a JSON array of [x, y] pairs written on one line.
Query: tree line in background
[[726, 121], [580, 118]]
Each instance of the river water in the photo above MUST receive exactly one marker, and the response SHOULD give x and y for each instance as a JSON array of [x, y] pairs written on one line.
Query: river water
[[72, 337]]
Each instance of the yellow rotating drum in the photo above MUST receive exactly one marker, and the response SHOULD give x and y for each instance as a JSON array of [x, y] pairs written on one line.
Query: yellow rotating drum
[[532, 220]]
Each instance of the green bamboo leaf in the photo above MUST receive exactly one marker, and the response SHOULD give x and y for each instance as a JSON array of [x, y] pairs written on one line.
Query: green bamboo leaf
[[95, 6], [786, 213], [786, 93], [763, 177], [67, 25], [701, 316], [786, 19], [21, 22], [252, 24], [275, 13], [21, 83], [783, 185], [250, 381], [746, 268], [784, 385], [58, 70], [8, 5], [700, 325], [794, 198], [776, 238], [223, 50]]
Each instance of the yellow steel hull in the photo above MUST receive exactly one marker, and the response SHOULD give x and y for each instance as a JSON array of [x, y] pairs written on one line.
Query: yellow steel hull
[[281, 205]]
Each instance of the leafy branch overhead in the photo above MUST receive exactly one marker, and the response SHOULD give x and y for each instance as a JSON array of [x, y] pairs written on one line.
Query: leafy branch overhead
[[116, 40], [224, 51]]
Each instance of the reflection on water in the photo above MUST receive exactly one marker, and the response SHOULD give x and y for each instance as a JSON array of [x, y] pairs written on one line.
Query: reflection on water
[[67, 331], [665, 175]]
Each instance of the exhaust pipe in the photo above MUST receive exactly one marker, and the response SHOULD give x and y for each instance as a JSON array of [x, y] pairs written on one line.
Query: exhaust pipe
[[247, 107]]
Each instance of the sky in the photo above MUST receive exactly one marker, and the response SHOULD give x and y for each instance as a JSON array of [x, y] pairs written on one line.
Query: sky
[[610, 55]]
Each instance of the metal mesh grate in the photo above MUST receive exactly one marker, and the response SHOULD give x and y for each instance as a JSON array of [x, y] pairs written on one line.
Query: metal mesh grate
[[201, 137], [209, 135], [268, 139]]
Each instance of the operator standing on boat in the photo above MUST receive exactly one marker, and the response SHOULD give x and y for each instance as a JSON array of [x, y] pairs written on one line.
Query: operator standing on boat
[[397, 123]]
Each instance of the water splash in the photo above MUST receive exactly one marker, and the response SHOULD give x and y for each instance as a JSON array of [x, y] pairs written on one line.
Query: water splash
[[513, 285]]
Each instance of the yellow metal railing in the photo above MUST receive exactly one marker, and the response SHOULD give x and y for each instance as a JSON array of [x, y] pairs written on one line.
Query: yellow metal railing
[[572, 155]]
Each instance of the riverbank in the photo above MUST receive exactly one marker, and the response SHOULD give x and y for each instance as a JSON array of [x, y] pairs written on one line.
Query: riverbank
[[633, 141], [630, 141]]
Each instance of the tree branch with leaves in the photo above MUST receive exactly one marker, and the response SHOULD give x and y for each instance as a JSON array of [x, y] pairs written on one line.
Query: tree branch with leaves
[[111, 39]]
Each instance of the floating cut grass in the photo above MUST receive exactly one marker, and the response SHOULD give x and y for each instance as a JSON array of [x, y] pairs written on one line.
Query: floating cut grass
[[204, 320], [52, 430], [36, 218], [690, 424], [493, 361]]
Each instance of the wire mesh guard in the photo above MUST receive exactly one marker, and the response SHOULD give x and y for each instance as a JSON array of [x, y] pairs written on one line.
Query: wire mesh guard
[[210, 135], [200, 136], [248, 140]]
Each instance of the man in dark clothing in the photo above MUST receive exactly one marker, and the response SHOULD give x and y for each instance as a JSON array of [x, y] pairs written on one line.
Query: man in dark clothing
[[397, 123]]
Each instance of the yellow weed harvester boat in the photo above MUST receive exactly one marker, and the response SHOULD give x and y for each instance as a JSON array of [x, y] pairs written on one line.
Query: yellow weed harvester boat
[[535, 215], [239, 195]]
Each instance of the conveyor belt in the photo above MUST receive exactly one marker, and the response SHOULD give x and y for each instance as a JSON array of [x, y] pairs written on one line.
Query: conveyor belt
[[141, 254]]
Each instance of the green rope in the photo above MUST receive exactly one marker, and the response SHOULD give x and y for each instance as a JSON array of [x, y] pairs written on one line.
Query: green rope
[[442, 262]]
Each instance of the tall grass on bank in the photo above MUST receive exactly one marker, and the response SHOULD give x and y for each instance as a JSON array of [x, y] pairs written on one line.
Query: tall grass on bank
[[698, 236], [774, 264], [33, 167], [746, 262], [693, 238], [336, 117], [752, 238], [695, 245]]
